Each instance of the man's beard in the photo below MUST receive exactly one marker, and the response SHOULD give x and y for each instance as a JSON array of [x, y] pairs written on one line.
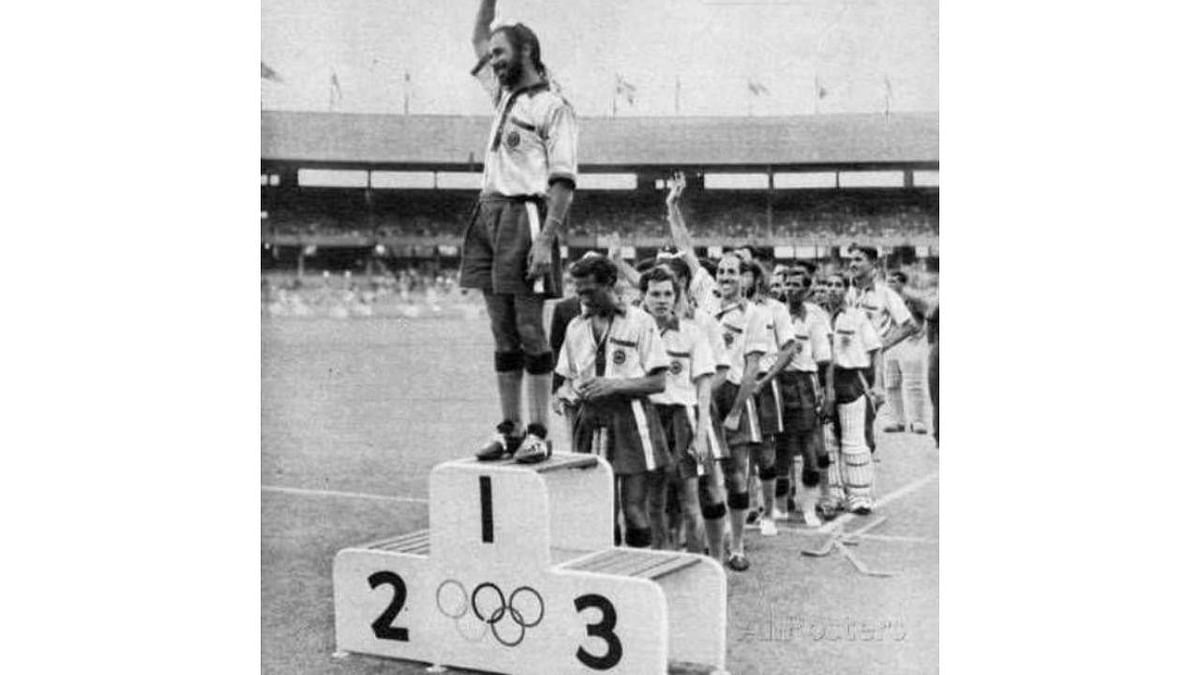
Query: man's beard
[[510, 76]]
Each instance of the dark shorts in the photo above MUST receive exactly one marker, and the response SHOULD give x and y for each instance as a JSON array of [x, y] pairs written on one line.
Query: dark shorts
[[798, 392], [749, 429], [770, 410], [496, 247], [626, 432], [679, 427]]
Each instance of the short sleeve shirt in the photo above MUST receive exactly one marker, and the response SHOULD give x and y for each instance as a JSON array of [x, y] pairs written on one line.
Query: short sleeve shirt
[[532, 140], [690, 358], [812, 340], [715, 334], [854, 338], [633, 347], [704, 292], [779, 325], [885, 308], [744, 329]]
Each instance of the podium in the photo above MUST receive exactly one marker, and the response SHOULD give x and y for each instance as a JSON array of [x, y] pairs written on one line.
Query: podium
[[517, 573]]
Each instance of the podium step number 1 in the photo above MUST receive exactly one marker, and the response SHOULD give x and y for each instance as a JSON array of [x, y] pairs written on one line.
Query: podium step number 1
[[517, 573]]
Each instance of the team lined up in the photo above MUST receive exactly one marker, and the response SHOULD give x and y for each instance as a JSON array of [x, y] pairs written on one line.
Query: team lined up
[[711, 380]]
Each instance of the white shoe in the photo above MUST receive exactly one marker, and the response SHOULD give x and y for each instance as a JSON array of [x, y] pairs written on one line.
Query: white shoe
[[768, 528], [777, 514], [810, 517]]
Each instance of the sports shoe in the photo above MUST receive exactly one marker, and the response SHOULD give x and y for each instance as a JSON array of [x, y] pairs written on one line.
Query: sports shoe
[[779, 515], [827, 509], [919, 428], [768, 528], [860, 506], [754, 515], [738, 562], [893, 428], [535, 448], [501, 445]]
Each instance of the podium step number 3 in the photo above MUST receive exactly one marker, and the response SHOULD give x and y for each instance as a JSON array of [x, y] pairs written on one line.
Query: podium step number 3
[[517, 574]]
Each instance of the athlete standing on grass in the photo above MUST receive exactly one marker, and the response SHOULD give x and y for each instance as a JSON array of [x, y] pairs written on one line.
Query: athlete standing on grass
[[856, 349], [510, 248], [746, 337], [612, 360]]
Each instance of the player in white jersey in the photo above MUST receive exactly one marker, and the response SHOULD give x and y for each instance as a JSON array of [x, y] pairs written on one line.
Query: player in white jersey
[[856, 349], [892, 321], [611, 361], [703, 288], [768, 397], [803, 397], [905, 367], [510, 247], [684, 408], [746, 337]]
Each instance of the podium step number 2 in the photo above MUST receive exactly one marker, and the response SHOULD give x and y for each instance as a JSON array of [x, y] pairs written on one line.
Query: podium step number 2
[[517, 574]]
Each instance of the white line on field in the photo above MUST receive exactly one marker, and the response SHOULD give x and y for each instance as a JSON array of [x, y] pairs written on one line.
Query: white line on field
[[335, 493], [896, 537], [882, 501]]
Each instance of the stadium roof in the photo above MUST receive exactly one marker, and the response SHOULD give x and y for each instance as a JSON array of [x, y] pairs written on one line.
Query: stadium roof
[[442, 142]]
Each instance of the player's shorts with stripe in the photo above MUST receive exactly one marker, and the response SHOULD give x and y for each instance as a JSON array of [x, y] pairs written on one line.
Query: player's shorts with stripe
[[798, 392], [626, 432], [496, 247], [749, 429], [770, 410], [679, 424]]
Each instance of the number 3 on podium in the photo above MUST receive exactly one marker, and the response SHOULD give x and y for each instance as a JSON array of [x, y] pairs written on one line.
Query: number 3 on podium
[[602, 630]]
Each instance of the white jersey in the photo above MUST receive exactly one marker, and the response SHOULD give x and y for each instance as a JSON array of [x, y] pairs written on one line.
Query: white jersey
[[779, 325], [532, 141], [854, 338], [885, 308], [689, 358], [812, 340], [745, 332]]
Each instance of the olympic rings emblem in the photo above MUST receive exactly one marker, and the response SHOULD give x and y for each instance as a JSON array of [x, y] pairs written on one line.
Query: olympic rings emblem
[[490, 606]]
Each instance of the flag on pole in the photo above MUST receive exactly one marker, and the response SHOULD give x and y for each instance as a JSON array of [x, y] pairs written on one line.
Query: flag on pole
[[756, 88], [887, 96], [678, 86], [625, 89], [407, 85], [335, 89], [268, 73]]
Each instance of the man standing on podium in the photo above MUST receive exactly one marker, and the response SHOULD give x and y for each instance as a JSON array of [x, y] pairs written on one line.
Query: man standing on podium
[[510, 248]]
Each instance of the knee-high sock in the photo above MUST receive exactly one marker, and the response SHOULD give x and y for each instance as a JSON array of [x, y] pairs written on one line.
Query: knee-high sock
[[508, 383], [538, 403], [857, 465]]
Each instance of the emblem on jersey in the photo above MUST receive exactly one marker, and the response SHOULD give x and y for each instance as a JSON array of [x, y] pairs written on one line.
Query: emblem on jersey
[[619, 356], [676, 367], [512, 140], [728, 339]]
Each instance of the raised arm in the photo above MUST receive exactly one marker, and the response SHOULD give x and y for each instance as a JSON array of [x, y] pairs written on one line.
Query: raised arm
[[483, 28], [679, 232]]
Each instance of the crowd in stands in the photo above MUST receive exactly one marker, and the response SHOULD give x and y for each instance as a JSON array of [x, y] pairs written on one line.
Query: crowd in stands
[[880, 216]]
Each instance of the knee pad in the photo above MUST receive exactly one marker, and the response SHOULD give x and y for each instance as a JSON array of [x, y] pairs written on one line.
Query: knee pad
[[767, 473], [823, 462], [539, 364], [507, 362], [712, 511], [739, 501], [782, 487], [810, 477], [637, 537]]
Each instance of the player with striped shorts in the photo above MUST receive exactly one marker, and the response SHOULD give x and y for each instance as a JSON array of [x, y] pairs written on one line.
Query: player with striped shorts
[[611, 361], [685, 411], [768, 398], [746, 337], [802, 397], [510, 247], [856, 349]]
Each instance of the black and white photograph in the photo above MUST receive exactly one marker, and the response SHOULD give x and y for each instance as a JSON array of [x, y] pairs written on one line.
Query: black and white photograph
[[600, 336]]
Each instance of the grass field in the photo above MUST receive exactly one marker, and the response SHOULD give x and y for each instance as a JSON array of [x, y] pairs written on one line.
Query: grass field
[[356, 412]]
